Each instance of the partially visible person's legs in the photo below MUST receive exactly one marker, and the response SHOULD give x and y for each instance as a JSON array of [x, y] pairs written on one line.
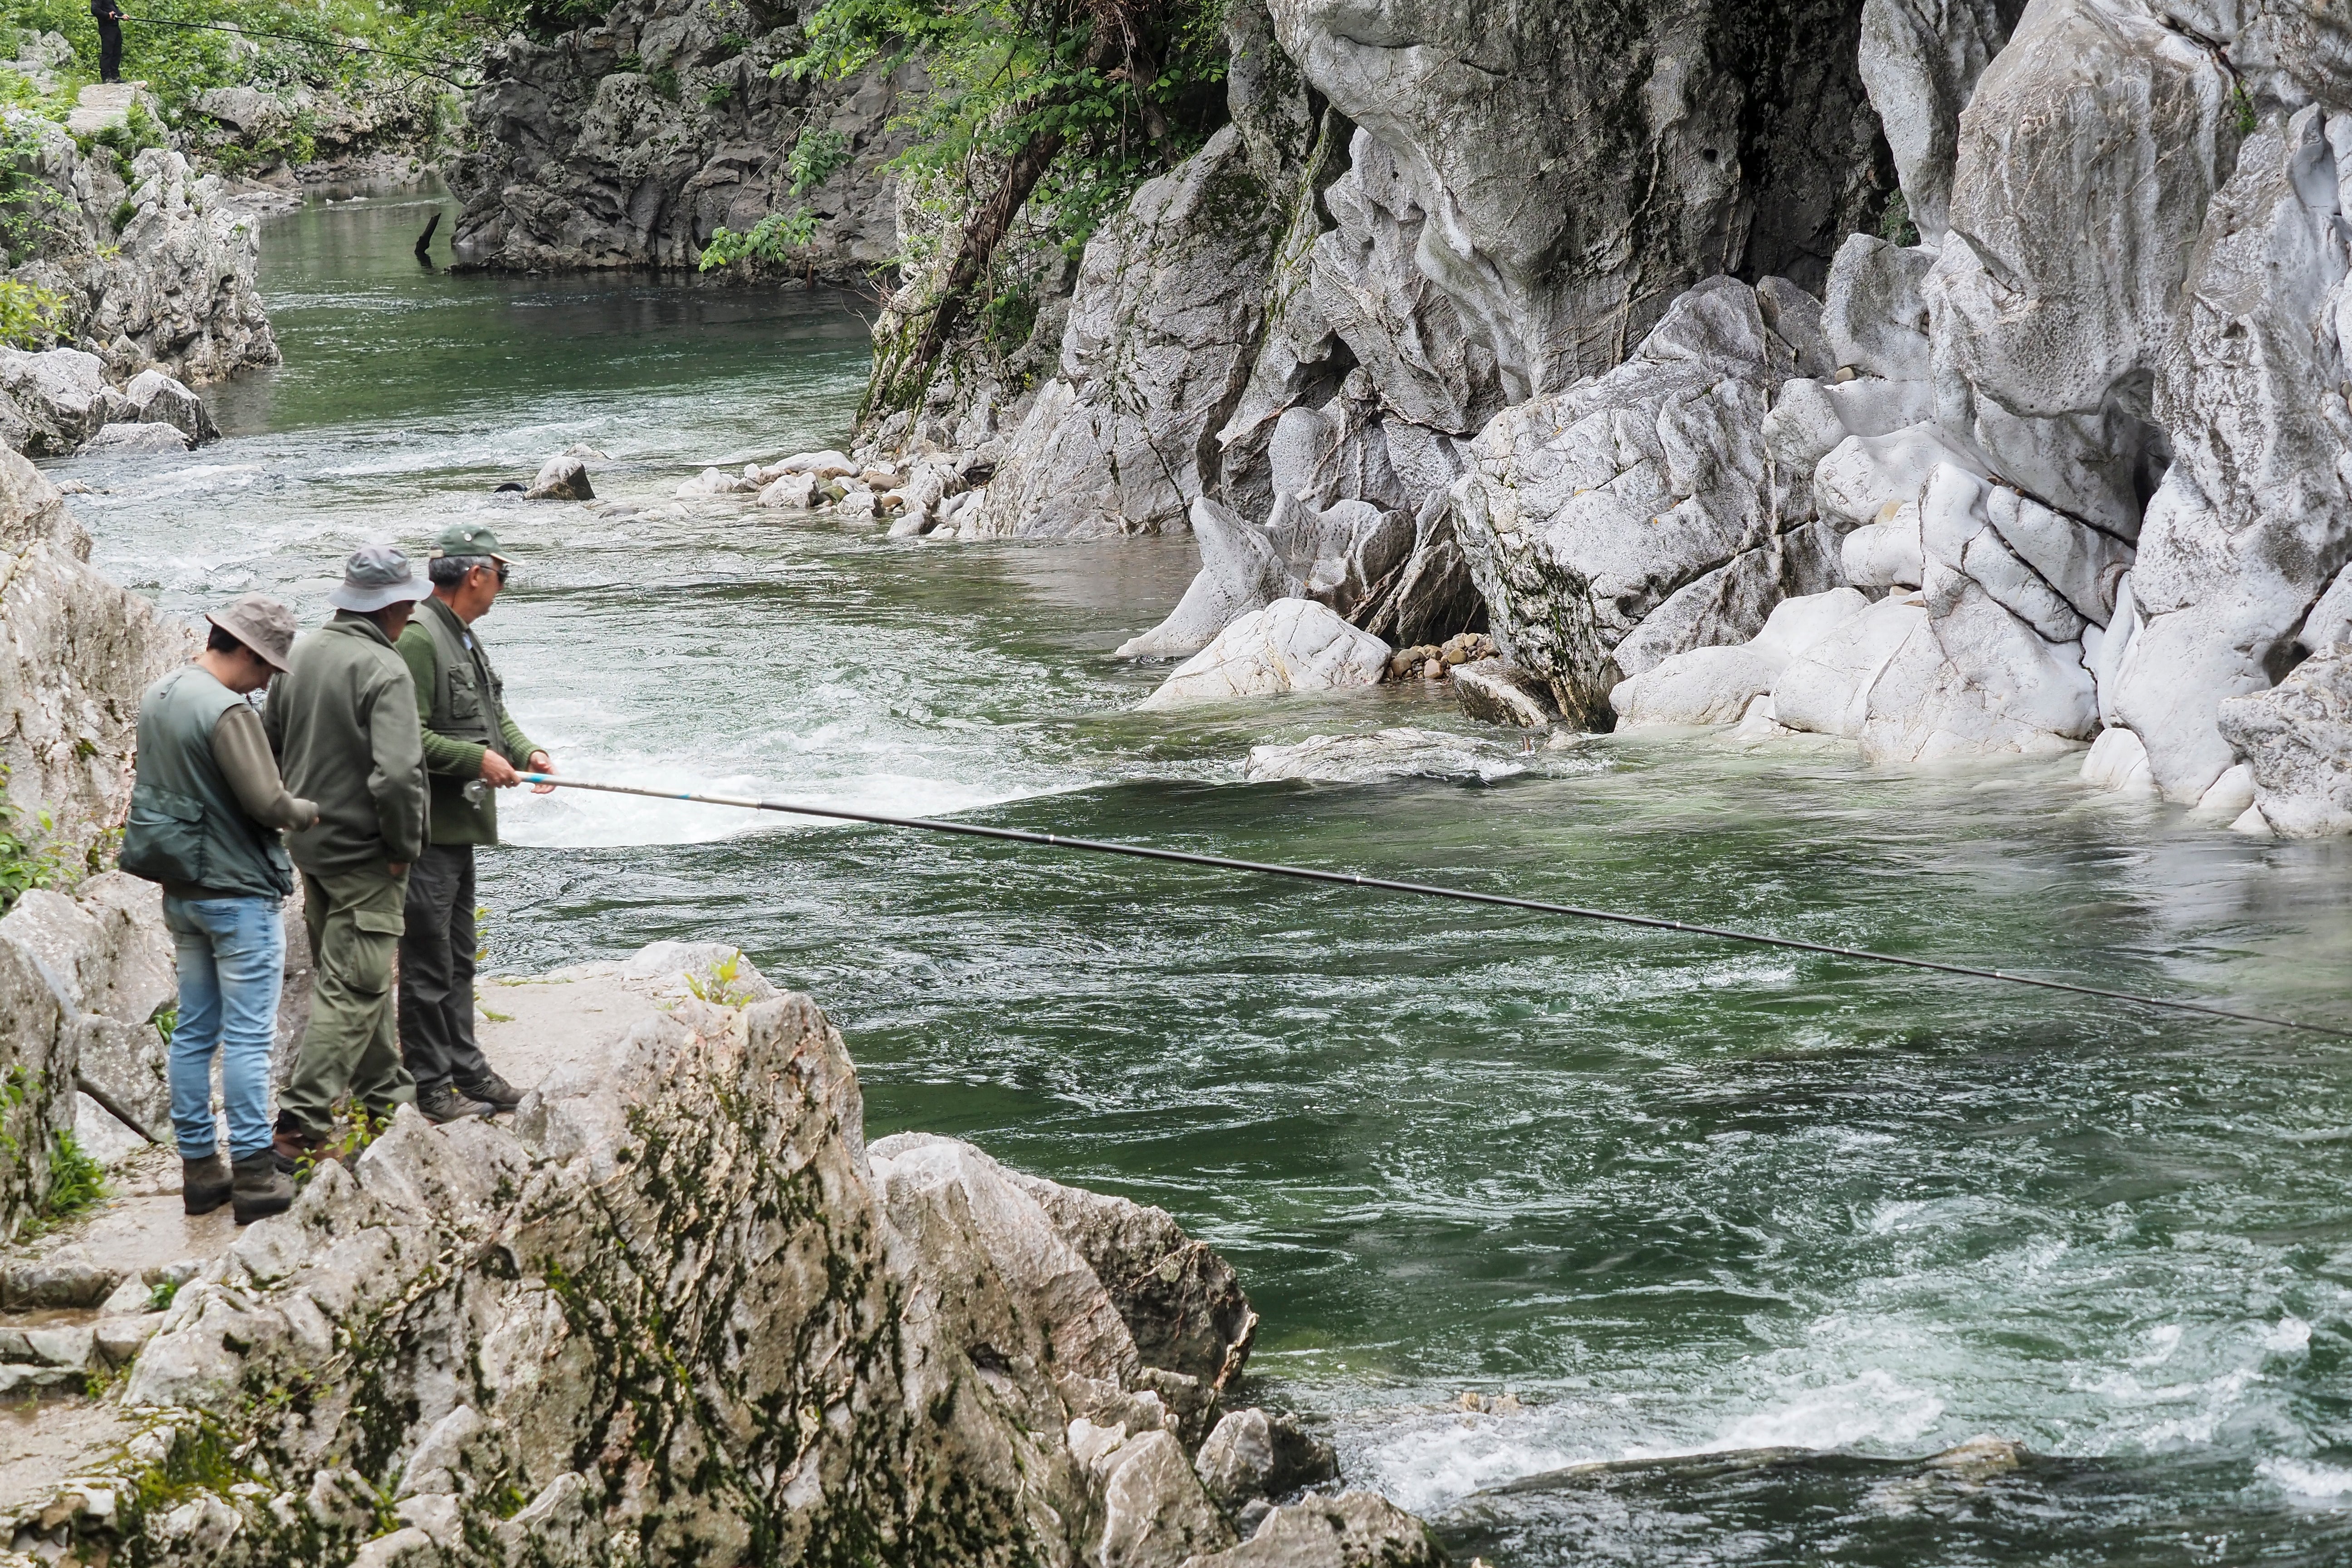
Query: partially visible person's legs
[[435, 975], [110, 49]]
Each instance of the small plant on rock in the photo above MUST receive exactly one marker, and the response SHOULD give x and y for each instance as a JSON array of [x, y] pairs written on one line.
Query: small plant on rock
[[717, 987], [75, 1182]]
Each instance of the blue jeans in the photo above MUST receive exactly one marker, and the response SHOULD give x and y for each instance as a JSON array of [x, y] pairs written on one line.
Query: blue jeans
[[231, 961]]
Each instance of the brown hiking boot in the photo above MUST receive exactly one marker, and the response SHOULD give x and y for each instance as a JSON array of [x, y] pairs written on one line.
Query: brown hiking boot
[[261, 1189], [203, 1183], [292, 1145]]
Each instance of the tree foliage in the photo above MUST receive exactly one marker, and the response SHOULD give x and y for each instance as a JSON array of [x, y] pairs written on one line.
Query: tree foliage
[[1056, 108]]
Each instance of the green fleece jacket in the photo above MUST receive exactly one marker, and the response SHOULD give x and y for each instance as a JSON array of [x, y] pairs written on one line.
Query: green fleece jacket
[[343, 719]]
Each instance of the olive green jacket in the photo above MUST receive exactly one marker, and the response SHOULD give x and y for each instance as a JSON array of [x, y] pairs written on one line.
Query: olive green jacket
[[343, 719], [461, 703]]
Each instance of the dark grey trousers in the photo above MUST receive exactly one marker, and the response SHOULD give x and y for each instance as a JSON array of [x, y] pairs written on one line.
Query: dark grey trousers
[[436, 969]]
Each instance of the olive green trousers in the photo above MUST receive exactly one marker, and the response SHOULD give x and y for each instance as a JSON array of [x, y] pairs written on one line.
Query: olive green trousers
[[350, 1046]]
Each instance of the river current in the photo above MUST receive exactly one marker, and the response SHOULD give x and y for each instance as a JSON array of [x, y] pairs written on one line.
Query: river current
[[1743, 1236]]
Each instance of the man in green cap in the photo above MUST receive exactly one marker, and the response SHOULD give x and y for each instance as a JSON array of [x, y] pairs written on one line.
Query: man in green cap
[[343, 719], [472, 746]]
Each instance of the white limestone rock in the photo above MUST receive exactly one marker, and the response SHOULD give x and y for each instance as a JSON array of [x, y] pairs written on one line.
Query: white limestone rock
[[1646, 494], [1292, 645], [1921, 59], [1240, 572], [2250, 525], [1911, 686], [1698, 686], [2118, 763], [1718, 685], [2296, 739], [1163, 330]]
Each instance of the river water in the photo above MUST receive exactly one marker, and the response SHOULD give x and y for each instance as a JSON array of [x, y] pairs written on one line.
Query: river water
[[1744, 1236]]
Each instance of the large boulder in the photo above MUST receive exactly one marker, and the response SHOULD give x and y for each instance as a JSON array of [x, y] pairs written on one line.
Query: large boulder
[[2297, 736], [1292, 645], [1715, 684], [1639, 513]]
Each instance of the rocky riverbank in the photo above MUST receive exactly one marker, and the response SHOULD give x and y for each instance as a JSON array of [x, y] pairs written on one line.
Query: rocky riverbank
[[2053, 449], [679, 1310]]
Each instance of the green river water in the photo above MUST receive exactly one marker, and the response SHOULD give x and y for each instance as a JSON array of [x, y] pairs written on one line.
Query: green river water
[[1746, 1235]]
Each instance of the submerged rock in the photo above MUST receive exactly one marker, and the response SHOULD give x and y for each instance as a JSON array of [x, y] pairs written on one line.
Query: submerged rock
[[135, 440], [1387, 755], [562, 476], [1501, 693]]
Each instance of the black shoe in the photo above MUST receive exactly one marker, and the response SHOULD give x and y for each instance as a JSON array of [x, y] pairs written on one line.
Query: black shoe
[[203, 1183], [262, 1189], [492, 1090], [442, 1104]]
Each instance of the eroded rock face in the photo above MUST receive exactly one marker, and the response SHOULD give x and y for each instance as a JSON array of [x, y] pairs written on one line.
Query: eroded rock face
[[1520, 129], [76, 980], [2254, 517], [625, 143], [159, 272], [1162, 329], [1640, 513]]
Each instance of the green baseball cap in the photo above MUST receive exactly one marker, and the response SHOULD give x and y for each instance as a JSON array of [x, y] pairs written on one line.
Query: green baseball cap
[[467, 539]]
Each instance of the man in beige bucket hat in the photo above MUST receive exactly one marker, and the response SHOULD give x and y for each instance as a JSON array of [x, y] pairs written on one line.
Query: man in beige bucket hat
[[208, 811]]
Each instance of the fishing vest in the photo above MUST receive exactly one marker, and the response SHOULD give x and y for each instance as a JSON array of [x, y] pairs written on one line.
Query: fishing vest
[[187, 828], [468, 704], [468, 697]]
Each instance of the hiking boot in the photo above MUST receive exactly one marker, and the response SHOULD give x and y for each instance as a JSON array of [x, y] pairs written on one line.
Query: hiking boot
[[261, 1188], [492, 1090], [442, 1104], [291, 1146], [203, 1183]]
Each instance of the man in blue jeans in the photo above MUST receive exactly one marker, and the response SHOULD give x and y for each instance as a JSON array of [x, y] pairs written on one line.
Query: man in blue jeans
[[206, 814]]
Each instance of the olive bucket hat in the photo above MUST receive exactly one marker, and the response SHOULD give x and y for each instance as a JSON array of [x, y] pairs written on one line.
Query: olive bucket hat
[[261, 624], [377, 575]]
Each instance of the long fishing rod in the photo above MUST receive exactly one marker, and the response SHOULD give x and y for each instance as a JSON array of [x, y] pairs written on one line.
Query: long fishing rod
[[314, 43], [1430, 890]]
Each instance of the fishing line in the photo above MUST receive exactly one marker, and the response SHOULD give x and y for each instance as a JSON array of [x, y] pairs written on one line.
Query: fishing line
[[1430, 890], [314, 43]]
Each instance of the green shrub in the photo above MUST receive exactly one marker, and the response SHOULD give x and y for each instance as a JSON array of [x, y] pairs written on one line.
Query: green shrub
[[30, 317]]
